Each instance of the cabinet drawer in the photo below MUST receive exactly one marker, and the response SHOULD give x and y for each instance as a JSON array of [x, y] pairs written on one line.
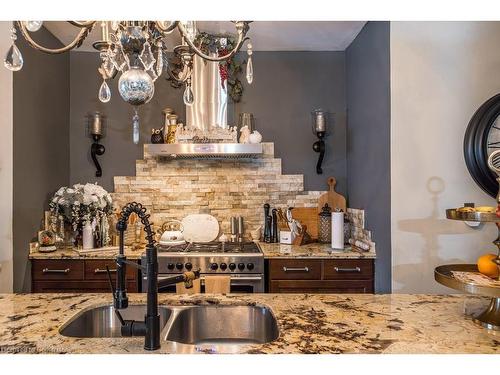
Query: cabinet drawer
[[348, 269], [57, 269], [96, 270], [293, 269], [319, 286]]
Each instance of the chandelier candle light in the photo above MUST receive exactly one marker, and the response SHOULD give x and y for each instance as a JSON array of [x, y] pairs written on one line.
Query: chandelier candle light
[[137, 50]]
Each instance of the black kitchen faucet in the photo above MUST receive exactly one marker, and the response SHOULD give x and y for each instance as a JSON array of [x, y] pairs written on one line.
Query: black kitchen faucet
[[150, 327]]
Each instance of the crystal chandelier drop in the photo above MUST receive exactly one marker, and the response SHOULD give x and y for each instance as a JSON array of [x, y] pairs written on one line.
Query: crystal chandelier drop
[[137, 51]]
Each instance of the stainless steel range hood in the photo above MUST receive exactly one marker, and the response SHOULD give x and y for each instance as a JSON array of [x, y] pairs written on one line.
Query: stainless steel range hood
[[205, 150]]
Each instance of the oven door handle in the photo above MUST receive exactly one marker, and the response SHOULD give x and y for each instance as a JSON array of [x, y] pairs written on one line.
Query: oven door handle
[[202, 278], [242, 278]]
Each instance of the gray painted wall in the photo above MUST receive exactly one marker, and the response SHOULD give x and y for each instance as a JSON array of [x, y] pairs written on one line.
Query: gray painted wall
[[368, 138], [287, 86], [41, 143], [121, 153]]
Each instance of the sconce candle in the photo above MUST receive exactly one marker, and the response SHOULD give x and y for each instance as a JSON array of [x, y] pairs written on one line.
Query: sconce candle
[[105, 31], [95, 130], [319, 120], [96, 126]]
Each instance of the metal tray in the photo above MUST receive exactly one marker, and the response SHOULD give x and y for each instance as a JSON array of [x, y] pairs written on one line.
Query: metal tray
[[443, 275], [453, 214]]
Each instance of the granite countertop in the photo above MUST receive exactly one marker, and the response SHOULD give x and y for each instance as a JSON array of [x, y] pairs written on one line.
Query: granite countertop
[[308, 323], [131, 254], [313, 250], [270, 250]]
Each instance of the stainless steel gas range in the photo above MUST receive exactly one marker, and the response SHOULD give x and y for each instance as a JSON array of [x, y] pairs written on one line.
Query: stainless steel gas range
[[244, 262]]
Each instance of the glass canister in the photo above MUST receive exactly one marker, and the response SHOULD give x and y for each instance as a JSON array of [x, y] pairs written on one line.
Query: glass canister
[[325, 224], [166, 112], [347, 229], [172, 128]]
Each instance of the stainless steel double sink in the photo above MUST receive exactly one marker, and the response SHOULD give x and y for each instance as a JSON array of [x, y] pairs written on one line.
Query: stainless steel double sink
[[185, 329]]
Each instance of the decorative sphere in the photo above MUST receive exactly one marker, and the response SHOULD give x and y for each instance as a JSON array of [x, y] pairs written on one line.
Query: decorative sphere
[[136, 86]]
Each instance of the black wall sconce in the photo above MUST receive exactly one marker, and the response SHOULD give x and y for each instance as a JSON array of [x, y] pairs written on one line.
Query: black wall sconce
[[319, 121], [96, 131]]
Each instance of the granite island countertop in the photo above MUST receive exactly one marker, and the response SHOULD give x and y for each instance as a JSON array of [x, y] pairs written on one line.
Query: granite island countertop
[[396, 323], [313, 250], [270, 250]]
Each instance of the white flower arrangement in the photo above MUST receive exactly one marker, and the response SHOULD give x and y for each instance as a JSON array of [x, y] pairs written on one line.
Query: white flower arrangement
[[80, 204]]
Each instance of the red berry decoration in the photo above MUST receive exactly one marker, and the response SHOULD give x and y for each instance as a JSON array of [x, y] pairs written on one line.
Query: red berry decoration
[[223, 70]]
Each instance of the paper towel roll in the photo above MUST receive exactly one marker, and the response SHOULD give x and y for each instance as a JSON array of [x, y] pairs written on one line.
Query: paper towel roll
[[337, 230]]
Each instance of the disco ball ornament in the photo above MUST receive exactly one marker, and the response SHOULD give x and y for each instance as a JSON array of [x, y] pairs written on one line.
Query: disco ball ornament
[[136, 86]]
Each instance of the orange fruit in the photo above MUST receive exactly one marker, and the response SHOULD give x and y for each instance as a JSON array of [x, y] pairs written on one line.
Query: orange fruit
[[486, 265]]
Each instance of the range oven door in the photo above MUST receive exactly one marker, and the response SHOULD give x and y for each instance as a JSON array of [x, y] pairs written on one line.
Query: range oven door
[[241, 283]]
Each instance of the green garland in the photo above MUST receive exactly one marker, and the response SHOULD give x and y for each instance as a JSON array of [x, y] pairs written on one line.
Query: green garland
[[229, 69]]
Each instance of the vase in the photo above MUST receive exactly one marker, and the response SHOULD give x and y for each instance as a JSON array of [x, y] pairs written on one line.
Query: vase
[[69, 236], [88, 236]]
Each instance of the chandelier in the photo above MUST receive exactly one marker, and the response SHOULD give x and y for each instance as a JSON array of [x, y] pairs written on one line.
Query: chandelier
[[137, 51]]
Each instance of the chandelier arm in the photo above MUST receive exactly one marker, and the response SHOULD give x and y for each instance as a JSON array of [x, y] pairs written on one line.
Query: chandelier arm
[[81, 24], [168, 29], [82, 34], [241, 39], [182, 76]]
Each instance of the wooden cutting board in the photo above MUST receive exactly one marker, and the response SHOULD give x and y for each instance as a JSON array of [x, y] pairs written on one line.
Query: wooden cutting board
[[334, 199], [309, 217]]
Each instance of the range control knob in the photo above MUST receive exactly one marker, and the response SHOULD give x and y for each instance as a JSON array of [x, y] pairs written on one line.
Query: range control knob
[[188, 266], [223, 266], [179, 266], [241, 266], [250, 266], [214, 266], [170, 266], [232, 266]]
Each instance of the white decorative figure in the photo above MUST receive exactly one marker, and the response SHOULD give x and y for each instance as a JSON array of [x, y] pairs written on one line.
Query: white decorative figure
[[255, 137], [245, 134]]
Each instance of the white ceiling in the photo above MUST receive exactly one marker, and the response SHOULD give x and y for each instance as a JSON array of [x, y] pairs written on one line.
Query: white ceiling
[[265, 35]]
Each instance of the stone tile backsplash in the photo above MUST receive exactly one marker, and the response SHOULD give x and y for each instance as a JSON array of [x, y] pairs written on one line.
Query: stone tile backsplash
[[172, 189]]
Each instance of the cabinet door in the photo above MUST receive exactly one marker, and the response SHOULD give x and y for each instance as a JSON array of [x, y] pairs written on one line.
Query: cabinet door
[[320, 286]]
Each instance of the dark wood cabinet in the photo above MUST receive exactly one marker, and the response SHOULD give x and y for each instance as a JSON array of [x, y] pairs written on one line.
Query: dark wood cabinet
[[320, 275], [77, 275]]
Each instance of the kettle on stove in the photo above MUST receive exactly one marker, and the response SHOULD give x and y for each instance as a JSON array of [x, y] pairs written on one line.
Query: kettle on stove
[[173, 233]]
